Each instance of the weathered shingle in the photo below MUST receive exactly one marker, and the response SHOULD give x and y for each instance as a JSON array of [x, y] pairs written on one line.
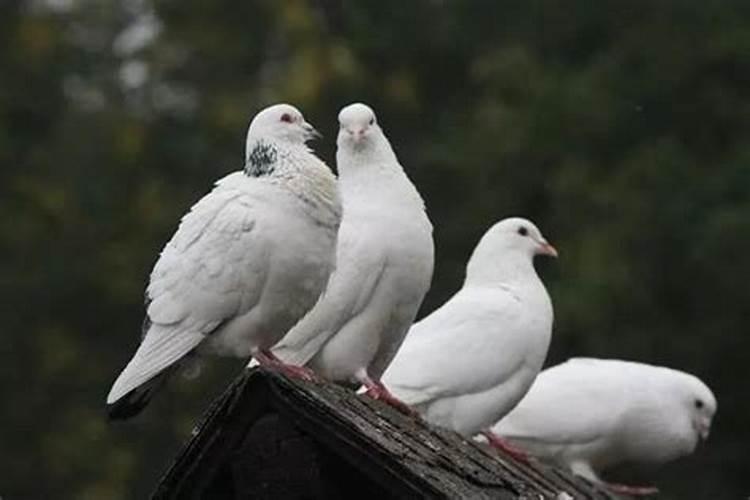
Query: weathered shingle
[[270, 436]]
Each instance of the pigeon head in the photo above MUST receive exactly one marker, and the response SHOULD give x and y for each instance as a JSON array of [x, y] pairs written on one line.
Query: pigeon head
[[681, 416], [519, 235], [699, 402], [504, 247], [358, 127], [281, 122]]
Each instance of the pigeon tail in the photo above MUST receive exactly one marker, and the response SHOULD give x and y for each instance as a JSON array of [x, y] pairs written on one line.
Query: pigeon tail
[[132, 403], [161, 349]]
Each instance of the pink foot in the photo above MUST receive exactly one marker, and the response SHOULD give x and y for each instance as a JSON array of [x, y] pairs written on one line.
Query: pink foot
[[637, 491], [376, 390], [502, 444], [300, 372], [268, 360]]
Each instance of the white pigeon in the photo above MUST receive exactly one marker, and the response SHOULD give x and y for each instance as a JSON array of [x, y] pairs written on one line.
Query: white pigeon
[[472, 360], [589, 414], [384, 264], [246, 263]]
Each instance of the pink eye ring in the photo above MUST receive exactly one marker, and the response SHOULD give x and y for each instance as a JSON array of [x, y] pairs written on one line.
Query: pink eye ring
[[286, 117]]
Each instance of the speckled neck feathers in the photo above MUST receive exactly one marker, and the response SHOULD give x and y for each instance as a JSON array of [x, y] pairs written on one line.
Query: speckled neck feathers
[[295, 168], [261, 159]]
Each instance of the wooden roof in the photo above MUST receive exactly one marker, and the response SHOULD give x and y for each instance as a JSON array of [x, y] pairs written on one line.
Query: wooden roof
[[404, 455]]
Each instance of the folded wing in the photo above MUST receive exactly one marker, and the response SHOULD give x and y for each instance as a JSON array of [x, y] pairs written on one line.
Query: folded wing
[[350, 289], [212, 270]]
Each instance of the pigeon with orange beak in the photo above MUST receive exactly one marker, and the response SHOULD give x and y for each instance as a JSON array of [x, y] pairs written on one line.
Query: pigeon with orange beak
[[471, 361]]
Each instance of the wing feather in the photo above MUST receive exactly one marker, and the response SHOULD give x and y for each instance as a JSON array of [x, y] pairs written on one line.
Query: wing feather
[[457, 335], [350, 289], [211, 270], [551, 412]]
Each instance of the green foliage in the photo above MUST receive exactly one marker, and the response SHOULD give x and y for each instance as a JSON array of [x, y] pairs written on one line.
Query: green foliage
[[619, 127]]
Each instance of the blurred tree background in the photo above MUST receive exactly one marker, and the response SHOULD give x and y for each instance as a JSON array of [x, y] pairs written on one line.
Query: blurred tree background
[[621, 127]]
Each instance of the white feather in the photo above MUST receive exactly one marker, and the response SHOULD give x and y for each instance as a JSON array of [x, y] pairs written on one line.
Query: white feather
[[470, 361], [160, 348], [590, 414], [384, 262], [247, 261]]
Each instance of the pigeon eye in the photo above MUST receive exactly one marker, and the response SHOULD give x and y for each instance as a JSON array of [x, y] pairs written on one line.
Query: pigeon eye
[[698, 404], [372, 121], [286, 117], [523, 231]]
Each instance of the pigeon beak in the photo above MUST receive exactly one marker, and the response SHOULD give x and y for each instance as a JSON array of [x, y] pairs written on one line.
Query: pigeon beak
[[310, 131], [546, 249], [702, 426], [356, 133], [704, 429]]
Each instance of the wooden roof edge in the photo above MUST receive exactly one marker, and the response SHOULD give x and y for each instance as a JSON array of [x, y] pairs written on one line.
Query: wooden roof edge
[[404, 454]]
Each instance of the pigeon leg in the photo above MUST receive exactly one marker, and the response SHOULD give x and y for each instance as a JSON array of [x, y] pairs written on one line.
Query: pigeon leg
[[502, 444], [636, 491], [376, 390], [269, 360]]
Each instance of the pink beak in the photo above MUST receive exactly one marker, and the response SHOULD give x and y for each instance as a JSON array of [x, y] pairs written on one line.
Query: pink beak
[[357, 133], [704, 429], [546, 249]]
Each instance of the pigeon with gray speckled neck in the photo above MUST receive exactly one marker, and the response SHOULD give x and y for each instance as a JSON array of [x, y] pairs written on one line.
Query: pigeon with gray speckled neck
[[246, 263]]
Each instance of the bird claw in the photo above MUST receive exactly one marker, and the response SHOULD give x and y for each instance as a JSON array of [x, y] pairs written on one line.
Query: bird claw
[[268, 360], [300, 372], [499, 443], [380, 393]]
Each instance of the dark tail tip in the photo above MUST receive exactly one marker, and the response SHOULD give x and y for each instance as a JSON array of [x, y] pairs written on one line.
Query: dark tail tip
[[130, 404]]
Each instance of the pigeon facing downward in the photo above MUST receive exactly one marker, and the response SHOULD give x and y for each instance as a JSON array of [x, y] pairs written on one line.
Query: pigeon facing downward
[[384, 264], [472, 360], [246, 263], [590, 414]]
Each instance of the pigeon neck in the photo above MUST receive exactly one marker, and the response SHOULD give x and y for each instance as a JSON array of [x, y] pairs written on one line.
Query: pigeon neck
[[260, 159], [385, 184], [375, 155], [265, 157], [296, 169], [490, 270], [373, 174]]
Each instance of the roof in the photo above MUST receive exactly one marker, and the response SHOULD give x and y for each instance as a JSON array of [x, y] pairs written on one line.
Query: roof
[[404, 455]]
